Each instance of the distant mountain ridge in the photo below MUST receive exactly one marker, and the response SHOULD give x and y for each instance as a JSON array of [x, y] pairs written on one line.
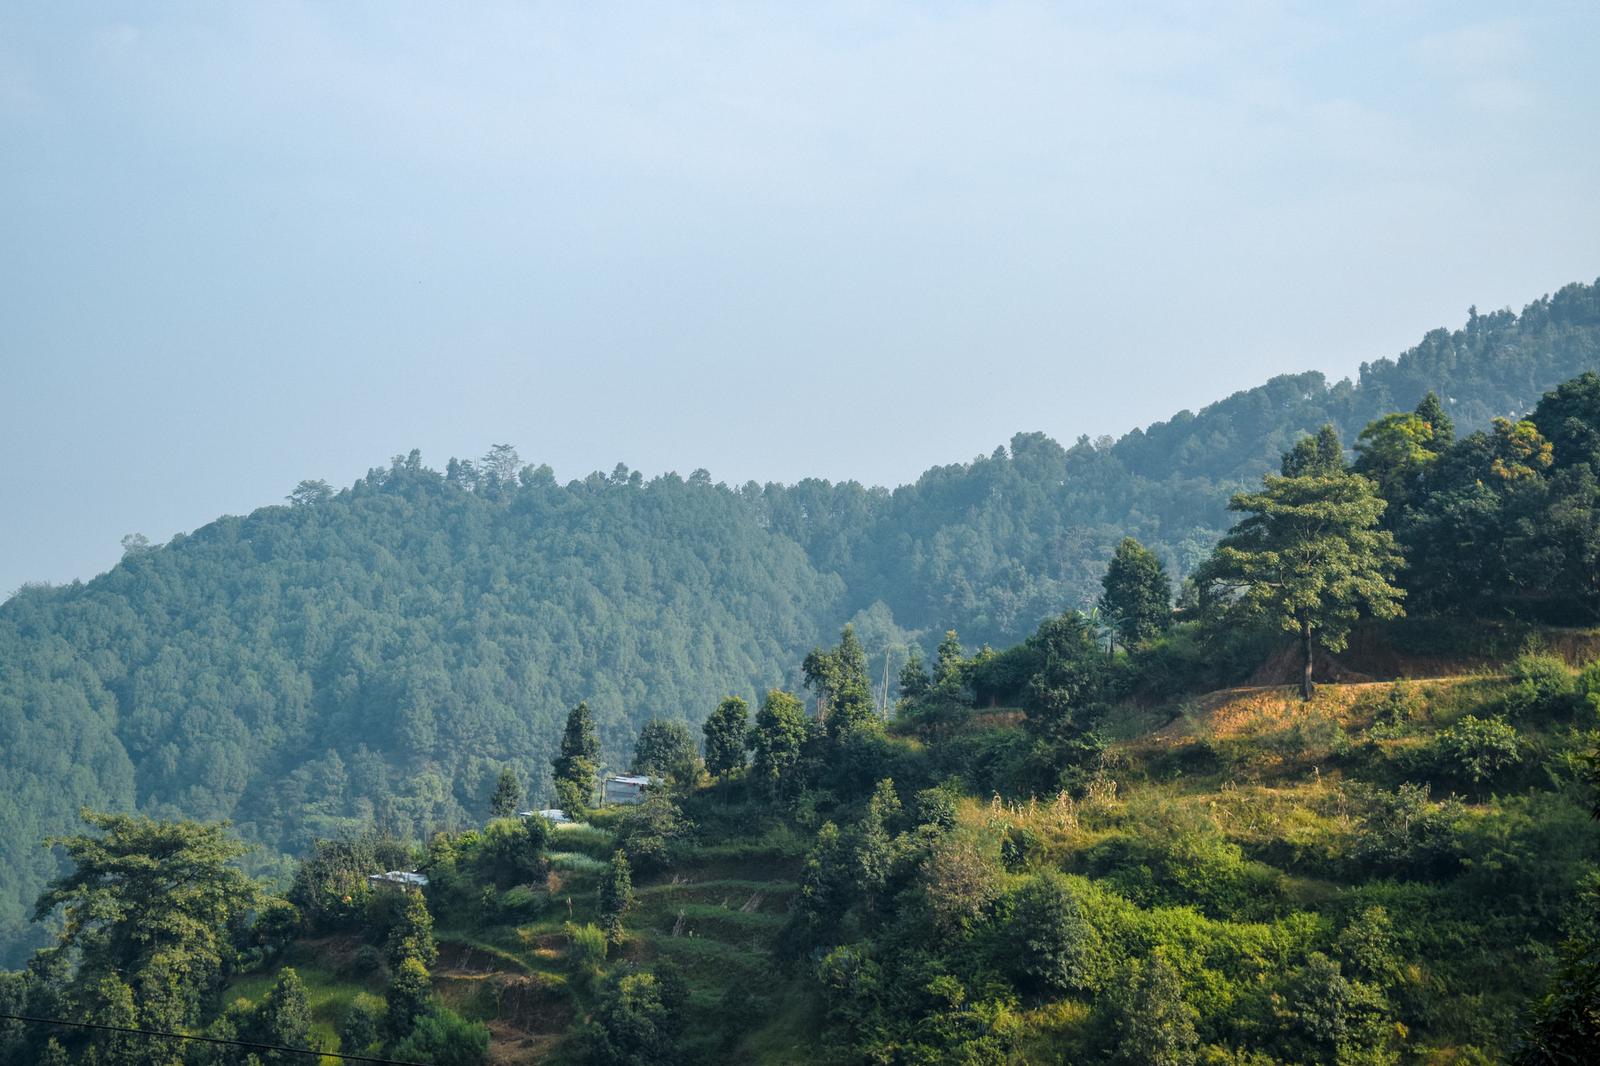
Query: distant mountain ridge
[[378, 653]]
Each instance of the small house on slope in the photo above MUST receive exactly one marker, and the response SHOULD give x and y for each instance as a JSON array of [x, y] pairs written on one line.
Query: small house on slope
[[625, 789]]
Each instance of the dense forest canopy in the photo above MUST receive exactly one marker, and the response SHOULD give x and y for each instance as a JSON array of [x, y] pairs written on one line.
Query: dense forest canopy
[[380, 653]]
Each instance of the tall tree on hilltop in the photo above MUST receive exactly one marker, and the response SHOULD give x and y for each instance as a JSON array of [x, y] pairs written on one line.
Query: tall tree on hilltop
[[948, 661], [727, 734], [1310, 556], [578, 762], [1136, 594]]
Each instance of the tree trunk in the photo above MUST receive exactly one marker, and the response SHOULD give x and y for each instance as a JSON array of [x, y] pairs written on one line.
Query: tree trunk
[[1307, 687]]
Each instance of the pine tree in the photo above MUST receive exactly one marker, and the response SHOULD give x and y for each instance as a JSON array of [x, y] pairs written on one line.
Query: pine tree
[[507, 795], [578, 762], [1431, 411]]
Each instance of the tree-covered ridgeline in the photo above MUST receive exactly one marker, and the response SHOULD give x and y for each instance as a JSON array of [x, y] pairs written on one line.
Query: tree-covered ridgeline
[[379, 653], [1074, 848]]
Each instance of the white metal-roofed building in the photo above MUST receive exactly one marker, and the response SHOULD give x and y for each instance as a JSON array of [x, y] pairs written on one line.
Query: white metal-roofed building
[[626, 789]]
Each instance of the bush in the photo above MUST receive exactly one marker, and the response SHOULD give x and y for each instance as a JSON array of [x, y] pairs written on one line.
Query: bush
[[1406, 833], [649, 833], [1478, 750], [1051, 940], [586, 947], [358, 1030], [443, 1037], [1542, 689], [1394, 713]]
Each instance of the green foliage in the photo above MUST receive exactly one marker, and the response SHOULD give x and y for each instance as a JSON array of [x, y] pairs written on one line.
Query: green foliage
[[1565, 1024], [665, 748], [844, 692], [330, 886], [778, 743], [578, 762], [650, 832], [442, 1037], [1056, 944], [1308, 557], [361, 1025], [507, 794], [511, 850], [362, 655], [409, 997], [727, 737], [1329, 1017], [153, 903], [586, 947], [1152, 1024], [636, 1022], [1544, 689], [283, 1017], [1478, 750], [616, 897], [1405, 832], [1136, 593], [411, 933]]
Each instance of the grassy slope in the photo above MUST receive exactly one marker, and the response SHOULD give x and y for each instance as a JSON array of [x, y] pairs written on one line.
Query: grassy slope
[[1254, 767]]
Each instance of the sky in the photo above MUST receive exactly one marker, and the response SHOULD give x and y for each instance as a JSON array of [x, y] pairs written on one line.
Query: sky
[[246, 244]]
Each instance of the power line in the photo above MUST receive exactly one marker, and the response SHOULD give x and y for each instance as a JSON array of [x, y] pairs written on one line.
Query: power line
[[207, 1040]]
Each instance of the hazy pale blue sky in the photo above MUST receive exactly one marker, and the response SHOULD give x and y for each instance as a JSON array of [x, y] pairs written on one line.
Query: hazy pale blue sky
[[245, 244]]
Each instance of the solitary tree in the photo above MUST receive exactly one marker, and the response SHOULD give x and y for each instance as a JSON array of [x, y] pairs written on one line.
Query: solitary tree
[[507, 795], [578, 761], [616, 896], [948, 661], [1136, 596], [1310, 556], [727, 734]]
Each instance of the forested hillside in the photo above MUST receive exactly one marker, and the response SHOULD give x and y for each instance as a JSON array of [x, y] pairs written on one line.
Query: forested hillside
[[376, 654]]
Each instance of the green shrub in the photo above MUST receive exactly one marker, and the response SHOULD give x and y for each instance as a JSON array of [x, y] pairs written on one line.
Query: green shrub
[[586, 947], [1542, 689], [1407, 833], [1052, 941], [1394, 713], [1478, 750], [443, 1037]]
